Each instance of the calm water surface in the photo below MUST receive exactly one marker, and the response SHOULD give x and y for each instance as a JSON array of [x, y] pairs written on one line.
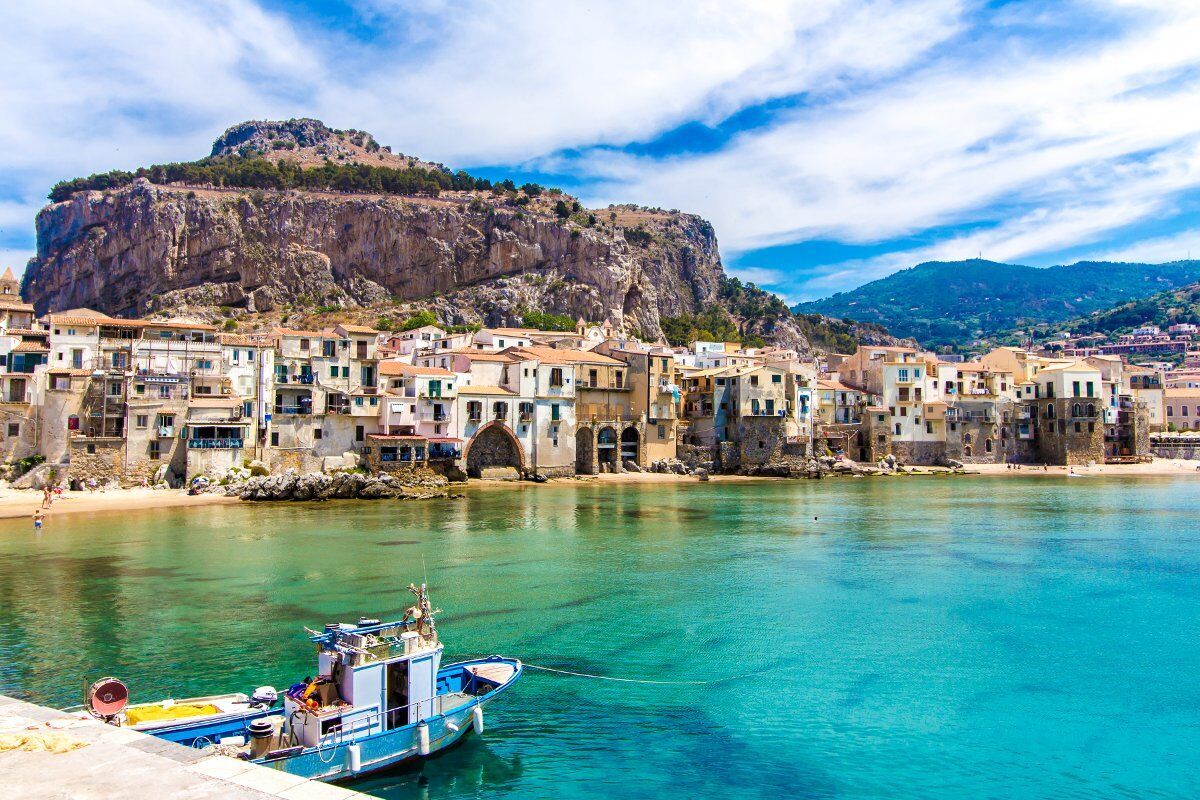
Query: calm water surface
[[923, 638]]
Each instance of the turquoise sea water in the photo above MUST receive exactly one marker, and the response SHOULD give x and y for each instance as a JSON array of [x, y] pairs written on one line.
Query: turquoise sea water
[[922, 638]]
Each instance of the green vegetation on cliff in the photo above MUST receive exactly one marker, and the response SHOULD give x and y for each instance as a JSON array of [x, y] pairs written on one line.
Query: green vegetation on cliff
[[545, 321], [260, 173], [747, 314]]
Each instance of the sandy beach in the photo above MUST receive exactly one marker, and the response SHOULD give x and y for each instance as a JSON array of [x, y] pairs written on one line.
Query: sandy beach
[[22, 503], [1159, 467]]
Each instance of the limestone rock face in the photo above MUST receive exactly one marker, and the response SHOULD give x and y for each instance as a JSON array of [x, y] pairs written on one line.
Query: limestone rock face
[[148, 248]]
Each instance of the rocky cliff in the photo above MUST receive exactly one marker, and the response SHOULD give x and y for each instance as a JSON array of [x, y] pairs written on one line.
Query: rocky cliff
[[147, 248], [180, 239]]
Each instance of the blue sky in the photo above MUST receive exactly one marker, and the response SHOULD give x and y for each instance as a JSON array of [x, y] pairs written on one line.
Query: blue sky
[[830, 142]]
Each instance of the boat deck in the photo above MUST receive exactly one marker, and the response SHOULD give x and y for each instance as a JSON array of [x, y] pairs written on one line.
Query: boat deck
[[453, 700]]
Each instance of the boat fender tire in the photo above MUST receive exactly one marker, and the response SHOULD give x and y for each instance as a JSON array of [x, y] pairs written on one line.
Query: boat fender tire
[[354, 758], [477, 720]]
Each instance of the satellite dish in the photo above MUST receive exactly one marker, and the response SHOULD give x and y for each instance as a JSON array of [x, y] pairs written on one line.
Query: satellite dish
[[106, 698]]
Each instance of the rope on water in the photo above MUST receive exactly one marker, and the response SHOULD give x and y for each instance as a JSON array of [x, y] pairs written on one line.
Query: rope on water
[[640, 680]]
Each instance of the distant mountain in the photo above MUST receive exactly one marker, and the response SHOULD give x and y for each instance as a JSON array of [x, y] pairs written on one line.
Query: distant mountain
[[942, 303], [1163, 309]]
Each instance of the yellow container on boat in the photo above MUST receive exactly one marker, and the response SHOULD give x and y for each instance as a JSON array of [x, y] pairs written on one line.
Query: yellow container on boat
[[140, 714]]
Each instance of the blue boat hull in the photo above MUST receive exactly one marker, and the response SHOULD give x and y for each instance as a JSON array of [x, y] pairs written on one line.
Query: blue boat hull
[[378, 751]]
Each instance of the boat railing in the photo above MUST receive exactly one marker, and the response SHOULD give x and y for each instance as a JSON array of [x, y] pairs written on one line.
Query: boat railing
[[376, 721]]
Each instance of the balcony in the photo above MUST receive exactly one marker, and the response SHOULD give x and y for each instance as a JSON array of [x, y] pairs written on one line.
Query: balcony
[[598, 388], [282, 409], [215, 444]]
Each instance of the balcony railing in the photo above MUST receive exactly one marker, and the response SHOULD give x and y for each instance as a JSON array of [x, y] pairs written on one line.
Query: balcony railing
[[293, 409], [404, 458], [215, 444]]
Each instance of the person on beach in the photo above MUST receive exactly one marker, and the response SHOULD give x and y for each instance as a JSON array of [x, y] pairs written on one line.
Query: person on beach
[[91, 485], [47, 497], [38, 518]]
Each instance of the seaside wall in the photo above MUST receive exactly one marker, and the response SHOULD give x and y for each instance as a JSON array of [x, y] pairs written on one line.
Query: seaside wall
[[760, 440], [62, 400], [1058, 441], [18, 431], [1181, 449], [201, 460], [102, 458]]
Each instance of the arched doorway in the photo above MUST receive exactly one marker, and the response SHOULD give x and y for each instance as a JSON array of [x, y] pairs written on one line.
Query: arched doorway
[[493, 446], [584, 451], [629, 445], [606, 449]]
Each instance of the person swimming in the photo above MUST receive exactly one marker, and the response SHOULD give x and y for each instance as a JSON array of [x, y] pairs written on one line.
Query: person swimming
[[38, 518]]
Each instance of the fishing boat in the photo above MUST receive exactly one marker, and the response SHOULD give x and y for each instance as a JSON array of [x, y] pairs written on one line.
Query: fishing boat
[[380, 698], [190, 721]]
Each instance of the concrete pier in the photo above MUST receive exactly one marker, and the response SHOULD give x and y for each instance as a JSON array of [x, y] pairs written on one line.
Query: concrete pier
[[118, 763]]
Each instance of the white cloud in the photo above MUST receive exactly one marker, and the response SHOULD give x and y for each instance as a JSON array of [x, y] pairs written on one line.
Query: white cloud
[[1176, 247], [506, 86], [1073, 143], [912, 118], [96, 86]]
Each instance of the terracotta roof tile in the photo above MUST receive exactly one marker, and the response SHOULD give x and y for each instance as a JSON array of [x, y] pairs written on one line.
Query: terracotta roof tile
[[554, 355]]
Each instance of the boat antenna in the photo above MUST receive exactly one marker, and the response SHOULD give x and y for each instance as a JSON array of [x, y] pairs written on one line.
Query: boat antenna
[[424, 571]]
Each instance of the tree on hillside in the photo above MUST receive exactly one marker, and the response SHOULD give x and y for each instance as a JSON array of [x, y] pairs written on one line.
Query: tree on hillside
[[419, 320]]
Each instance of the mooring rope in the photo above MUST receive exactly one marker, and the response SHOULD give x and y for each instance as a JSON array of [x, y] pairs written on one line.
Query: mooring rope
[[640, 680]]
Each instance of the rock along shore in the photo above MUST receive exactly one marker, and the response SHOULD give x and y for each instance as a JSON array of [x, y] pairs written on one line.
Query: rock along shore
[[340, 486]]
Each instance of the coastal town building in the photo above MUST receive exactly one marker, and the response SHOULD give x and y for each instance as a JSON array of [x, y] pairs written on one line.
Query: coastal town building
[[1182, 409], [138, 401]]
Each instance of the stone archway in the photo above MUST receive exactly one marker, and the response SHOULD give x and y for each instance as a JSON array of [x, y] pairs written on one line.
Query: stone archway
[[585, 452], [629, 445], [493, 446], [607, 449]]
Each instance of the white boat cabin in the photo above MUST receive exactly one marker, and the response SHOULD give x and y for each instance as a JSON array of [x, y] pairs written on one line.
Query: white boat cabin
[[372, 677]]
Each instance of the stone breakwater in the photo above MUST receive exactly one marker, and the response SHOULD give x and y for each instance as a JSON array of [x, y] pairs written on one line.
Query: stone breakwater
[[341, 486]]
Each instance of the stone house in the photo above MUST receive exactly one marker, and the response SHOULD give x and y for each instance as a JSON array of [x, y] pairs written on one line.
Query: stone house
[[654, 394]]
